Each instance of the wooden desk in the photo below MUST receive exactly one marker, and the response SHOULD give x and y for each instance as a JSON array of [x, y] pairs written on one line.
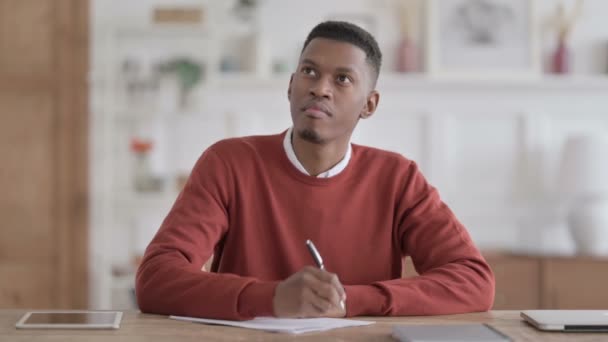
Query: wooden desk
[[139, 327]]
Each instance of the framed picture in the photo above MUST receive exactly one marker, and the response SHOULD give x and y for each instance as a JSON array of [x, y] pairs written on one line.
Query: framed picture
[[482, 39]]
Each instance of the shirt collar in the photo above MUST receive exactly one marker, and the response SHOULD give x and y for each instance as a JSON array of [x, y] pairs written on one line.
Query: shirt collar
[[291, 155]]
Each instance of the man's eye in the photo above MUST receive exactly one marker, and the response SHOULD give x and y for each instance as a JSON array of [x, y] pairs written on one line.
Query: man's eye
[[344, 79], [308, 71]]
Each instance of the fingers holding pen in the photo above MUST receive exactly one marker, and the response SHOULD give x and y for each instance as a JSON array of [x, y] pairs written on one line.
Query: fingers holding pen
[[308, 293]]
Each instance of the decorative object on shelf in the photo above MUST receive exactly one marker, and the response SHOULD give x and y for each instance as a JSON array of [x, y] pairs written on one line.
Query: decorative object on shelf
[[482, 39], [280, 66], [169, 93], [542, 230], [407, 55], [229, 64], [254, 50], [155, 60], [564, 23], [139, 86], [177, 15], [188, 73], [260, 55], [584, 182], [245, 9], [407, 50], [143, 178]]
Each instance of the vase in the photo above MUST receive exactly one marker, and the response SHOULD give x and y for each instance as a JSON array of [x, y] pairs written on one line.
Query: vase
[[407, 56], [560, 61], [588, 221]]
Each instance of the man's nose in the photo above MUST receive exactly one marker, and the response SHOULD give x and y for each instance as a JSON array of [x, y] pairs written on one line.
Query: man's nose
[[321, 88]]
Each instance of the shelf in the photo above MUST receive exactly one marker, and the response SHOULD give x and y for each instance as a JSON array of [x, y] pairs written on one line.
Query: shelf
[[387, 82], [146, 200], [133, 116], [390, 81], [546, 82], [166, 31]]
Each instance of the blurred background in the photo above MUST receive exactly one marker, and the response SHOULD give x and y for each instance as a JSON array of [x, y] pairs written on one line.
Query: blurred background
[[105, 106]]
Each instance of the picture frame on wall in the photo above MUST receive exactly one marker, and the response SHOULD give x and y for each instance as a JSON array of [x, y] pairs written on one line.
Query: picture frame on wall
[[482, 39]]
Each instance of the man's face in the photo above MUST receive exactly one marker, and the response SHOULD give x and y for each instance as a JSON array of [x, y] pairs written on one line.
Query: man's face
[[330, 91]]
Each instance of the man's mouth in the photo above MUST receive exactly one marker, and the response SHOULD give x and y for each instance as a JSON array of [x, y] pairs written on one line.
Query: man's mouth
[[316, 111]]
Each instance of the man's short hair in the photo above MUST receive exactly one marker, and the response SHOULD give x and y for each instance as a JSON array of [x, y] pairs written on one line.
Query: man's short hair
[[346, 32]]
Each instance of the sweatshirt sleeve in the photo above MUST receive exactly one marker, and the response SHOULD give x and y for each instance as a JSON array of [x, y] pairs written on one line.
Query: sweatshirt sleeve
[[453, 275], [170, 279]]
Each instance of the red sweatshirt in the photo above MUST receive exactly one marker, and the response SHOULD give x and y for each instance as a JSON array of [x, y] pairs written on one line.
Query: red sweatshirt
[[246, 204]]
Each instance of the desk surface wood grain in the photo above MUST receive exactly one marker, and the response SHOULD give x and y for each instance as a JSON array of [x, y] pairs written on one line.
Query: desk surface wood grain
[[136, 327]]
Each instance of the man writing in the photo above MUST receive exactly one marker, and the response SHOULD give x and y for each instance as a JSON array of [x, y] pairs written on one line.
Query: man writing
[[252, 202]]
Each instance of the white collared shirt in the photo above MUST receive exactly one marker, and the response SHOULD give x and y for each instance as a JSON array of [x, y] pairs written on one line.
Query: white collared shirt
[[291, 155]]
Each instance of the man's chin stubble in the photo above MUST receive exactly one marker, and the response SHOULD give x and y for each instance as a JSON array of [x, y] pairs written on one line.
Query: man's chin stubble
[[311, 136]]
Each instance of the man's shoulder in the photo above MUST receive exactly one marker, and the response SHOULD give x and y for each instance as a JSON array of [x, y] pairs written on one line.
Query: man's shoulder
[[238, 155], [241, 146], [373, 154], [375, 163]]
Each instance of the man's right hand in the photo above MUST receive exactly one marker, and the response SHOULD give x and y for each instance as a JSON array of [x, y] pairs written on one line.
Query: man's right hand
[[311, 292]]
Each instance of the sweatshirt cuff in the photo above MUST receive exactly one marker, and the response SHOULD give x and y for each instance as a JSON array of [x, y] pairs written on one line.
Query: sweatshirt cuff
[[256, 300], [365, 300]]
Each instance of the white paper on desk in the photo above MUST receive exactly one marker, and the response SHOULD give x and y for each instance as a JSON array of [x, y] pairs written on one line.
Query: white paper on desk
[[287, 325]]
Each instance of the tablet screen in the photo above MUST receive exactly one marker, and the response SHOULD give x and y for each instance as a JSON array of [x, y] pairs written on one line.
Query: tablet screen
[[71, 318], [78, 319]]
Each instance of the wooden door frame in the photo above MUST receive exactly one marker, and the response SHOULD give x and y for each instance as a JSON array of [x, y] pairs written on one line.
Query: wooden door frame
[[71, 62]]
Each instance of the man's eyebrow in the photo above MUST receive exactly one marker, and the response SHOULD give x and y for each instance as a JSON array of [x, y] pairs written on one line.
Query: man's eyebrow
[[344, 69], [309, 61]]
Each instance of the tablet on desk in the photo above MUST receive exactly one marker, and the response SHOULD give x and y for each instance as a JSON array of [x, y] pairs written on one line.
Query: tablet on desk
[[70, 319]]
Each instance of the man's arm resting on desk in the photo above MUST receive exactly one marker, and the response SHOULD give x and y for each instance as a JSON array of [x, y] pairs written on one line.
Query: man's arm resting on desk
[[170, 280], [445, 290], [454, 277], [168, 285]]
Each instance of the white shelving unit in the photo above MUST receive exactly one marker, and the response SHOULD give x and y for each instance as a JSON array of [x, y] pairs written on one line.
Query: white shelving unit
[[124, 219]]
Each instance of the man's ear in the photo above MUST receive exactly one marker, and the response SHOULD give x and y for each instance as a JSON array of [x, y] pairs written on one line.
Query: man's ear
[[370, 105], [289, 88]]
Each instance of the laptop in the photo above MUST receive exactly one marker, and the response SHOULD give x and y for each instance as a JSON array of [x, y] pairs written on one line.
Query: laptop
[[567, 320]]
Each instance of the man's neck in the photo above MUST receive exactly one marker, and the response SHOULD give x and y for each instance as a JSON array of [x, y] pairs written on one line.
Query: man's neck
[[318, 158]]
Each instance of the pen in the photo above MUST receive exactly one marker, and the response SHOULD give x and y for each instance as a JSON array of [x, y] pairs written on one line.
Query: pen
[[315, 255]]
